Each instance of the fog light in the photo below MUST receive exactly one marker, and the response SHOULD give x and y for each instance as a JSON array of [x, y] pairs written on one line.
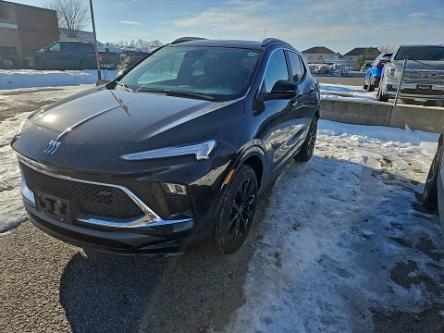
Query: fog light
[[176, 189]]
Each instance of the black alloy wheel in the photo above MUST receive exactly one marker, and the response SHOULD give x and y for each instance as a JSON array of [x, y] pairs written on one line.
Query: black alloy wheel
[[237, 211]]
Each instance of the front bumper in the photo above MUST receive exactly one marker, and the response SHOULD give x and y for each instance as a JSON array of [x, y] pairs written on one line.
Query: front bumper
[[147, 233], [160, 236], [411, 91]]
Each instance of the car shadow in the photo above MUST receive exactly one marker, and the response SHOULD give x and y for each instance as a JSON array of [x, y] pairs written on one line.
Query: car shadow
[[193, 292], [199, 291]]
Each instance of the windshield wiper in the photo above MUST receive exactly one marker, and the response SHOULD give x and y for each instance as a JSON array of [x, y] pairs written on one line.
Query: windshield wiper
[[123, 85], [176, 93], [188, 94]]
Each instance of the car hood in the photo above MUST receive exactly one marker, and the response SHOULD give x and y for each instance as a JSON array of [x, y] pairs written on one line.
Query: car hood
[[97, 127]]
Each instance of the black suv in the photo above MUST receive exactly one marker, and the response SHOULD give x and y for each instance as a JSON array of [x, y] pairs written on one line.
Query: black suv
[[175, 150], [66, 55]]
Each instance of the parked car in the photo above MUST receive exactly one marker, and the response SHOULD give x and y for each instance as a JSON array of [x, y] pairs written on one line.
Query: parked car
[[175, 150], [66, 55], [423, 77], [433, 196], [373, 73]]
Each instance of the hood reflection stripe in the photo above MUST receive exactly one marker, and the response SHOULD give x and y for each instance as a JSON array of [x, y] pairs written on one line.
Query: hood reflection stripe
[[69, 129]]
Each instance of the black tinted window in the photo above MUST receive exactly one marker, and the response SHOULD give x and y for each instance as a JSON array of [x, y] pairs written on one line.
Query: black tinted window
[[297, 68], [276, 70], [67, 47], [421, 53], [85, 47], [218, 72]]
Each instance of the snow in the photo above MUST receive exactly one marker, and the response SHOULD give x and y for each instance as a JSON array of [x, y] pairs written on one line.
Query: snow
[[11, 208], [340, 92], [28, 78], [330, 230]]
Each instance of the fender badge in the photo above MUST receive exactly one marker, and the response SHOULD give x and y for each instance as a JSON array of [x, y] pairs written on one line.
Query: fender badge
[[52, 147]]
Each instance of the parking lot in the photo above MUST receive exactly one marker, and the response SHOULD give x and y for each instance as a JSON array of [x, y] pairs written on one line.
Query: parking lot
[[339, 244]]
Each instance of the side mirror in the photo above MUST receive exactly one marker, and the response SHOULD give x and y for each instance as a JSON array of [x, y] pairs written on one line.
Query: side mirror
[[283, 89]]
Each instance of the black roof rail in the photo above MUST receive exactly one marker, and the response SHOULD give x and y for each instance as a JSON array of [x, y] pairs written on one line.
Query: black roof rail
[[267, 41], [186, 39]]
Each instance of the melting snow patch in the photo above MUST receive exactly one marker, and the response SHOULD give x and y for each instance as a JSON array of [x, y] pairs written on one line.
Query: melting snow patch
[[350, 202]]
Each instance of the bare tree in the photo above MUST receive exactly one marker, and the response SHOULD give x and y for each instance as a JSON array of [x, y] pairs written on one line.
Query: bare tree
[[71, 14]]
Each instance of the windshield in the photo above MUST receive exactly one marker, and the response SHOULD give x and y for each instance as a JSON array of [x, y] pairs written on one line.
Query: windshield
[[432, 53], [199, 72]]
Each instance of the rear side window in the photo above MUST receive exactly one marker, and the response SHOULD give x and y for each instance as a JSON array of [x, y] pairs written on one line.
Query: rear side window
[[67, 47], [84, 47], [276, 70], [297, 68]]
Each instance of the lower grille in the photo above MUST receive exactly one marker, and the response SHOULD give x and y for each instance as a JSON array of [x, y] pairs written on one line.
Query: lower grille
[[422, 92], [424, 77], [99, 200]]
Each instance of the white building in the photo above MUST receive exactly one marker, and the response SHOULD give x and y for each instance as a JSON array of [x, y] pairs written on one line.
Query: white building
[[320, 55]]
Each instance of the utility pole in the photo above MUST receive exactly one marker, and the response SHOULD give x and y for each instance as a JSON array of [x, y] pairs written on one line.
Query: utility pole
[[99, 74]]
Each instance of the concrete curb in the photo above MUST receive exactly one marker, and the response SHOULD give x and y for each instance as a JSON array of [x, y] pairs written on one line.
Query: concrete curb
[[379, 114]]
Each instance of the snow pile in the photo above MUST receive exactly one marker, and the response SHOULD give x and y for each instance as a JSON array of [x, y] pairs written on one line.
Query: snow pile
[[11, 207], [346, 93], [27, 78], [330, 235], [12, 212]]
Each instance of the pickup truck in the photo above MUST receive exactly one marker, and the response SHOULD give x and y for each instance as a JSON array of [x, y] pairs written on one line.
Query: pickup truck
[[423, 77], [66, 55]]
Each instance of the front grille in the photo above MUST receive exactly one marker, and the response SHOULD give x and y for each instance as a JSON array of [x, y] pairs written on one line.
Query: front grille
[[424, 77], [422, 92], [99, 200]]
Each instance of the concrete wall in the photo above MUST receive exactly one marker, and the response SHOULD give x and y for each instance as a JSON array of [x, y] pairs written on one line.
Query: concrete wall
[[381, 114]]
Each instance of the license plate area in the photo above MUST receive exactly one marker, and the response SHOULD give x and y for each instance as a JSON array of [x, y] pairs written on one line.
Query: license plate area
[[54, 207], [424, 87]]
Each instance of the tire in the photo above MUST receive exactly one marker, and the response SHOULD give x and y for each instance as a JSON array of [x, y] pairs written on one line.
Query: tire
[[371, 86], [430, 194], [308, 146], [380, 95], [236, 211]]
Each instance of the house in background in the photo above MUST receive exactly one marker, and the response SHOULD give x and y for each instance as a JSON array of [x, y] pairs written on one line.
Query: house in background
[[320, 55], [352, 56], [25, 29]]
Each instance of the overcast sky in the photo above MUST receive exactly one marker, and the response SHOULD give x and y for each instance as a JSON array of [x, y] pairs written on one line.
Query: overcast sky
[[337, 24]]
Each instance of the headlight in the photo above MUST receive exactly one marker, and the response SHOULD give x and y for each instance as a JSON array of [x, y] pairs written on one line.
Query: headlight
[[201, 151], [392, 72]]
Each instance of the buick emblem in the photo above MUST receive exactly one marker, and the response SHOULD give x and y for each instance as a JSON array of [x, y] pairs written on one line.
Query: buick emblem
[[52, 147]]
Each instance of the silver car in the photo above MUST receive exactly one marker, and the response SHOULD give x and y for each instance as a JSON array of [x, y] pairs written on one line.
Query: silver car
[[433, 196], [423, 77]]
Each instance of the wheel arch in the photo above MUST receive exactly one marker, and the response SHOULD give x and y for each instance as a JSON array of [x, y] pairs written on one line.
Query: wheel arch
[[254, 157]]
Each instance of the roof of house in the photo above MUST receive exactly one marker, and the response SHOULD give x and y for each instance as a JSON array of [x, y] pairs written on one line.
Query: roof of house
[[357, 51], [319, 50]]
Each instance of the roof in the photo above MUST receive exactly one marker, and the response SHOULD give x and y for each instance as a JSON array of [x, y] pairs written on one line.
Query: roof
[[357, 51], [319, 50], [245, 44]]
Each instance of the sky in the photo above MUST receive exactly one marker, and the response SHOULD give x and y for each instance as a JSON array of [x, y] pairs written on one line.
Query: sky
[[338, 24]]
